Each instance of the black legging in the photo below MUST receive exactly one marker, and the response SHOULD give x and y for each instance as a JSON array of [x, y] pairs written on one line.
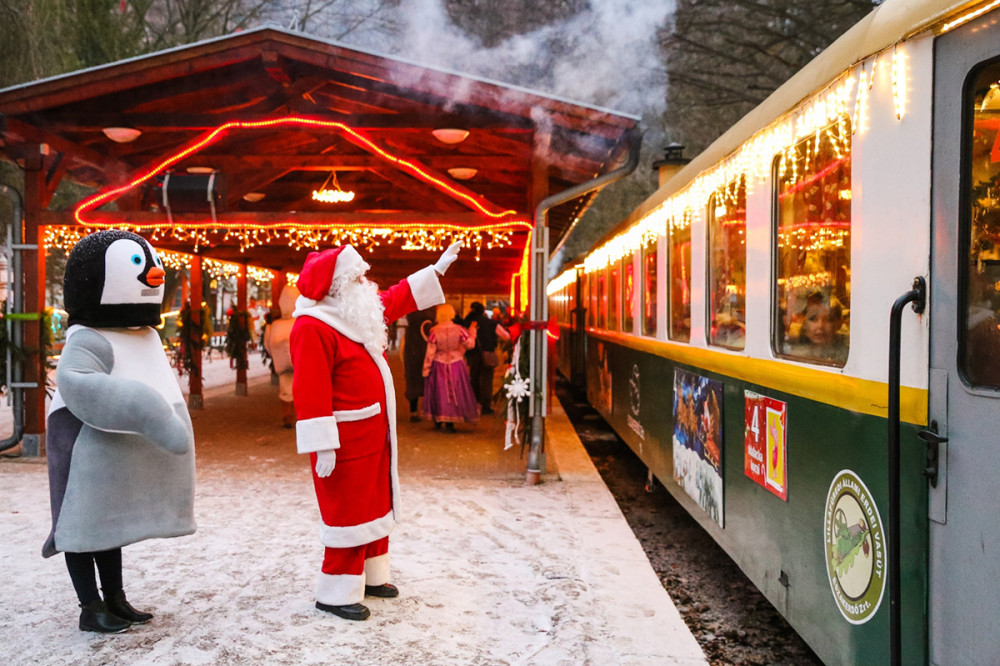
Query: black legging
[[81, 571]]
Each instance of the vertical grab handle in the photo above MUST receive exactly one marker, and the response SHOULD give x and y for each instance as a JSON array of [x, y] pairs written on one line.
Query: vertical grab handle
[[918, 296]]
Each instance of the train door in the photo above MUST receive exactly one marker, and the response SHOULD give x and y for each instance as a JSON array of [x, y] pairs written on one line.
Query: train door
[[964, 534]]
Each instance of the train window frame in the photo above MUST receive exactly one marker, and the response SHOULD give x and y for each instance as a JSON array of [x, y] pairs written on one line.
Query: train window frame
[[644, 328], [837, 355], [710, 313], [671, 320], [628, 303], [965, 231], [614, 319], [602, 298]]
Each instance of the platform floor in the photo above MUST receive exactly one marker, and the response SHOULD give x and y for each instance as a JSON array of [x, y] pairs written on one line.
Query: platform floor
[[491, 571]]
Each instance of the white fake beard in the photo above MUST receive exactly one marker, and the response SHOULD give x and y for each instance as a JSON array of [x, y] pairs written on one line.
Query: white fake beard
[[358, 304]]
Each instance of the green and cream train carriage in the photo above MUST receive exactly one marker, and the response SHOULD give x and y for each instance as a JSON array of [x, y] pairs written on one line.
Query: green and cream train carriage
[[735, 330]]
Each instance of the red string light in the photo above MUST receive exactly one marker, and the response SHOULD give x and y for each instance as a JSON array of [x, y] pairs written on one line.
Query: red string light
[[100, 198]]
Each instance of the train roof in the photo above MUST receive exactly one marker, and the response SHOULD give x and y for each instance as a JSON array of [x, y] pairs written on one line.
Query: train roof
[[888, 24]]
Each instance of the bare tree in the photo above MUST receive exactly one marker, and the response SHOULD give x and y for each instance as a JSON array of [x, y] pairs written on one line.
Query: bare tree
[[726, 56]]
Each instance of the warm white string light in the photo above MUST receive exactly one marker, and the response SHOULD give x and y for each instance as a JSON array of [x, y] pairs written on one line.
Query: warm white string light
[[830, 108]]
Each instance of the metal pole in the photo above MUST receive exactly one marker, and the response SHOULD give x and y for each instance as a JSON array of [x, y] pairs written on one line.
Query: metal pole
[[539, 306], [15, 331], [917, 296]]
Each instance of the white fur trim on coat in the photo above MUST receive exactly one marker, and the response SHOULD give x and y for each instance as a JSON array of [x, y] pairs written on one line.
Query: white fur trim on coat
[[345, 415], [340, 589], [377, 570], [349, 536], [426, 288], [318, 434]]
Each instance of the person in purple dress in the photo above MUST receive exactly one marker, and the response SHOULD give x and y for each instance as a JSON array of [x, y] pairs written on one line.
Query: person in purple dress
[[448, 395]]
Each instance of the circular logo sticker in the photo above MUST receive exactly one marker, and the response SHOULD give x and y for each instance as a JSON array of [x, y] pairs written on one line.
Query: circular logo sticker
[[854, 546]]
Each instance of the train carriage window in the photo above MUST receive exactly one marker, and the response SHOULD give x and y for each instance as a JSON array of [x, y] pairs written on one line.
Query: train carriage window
[[628, 299], [979, 345], [813, 257], [727, 222], [649, 287], [602, 299], [614, 294], [680, 280], [592, 299]]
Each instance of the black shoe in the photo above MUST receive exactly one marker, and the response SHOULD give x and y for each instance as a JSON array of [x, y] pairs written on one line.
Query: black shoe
[[95, 616], [385, 591], [437, 425], [351, 612], [488, 410], [414, 418], [119, 605], [450, 427]]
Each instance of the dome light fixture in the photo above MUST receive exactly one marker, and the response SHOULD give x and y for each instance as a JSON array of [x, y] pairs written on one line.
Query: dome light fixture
[[462, 173], [253, 197], [122, 134], [450, 135]]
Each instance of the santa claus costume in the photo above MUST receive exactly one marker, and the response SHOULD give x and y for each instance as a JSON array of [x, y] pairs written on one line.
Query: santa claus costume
[[346, 409]]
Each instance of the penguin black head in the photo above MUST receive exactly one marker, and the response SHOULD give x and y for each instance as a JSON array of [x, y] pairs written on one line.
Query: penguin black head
[[113, 279]]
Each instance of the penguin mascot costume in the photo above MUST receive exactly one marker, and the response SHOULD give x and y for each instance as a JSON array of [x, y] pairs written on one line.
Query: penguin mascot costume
[[120, 442]]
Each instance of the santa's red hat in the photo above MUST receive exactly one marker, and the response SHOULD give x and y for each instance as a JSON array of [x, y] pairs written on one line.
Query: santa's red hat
[[322, 268]]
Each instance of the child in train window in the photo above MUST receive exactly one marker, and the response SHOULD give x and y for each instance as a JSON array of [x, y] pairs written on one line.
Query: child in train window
[[813, 218]]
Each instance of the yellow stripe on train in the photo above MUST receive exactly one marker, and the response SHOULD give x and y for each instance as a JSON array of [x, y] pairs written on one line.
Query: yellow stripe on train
[[858, 395]]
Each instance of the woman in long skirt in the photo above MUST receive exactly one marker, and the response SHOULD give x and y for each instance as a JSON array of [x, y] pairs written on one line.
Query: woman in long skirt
[[448, 396]]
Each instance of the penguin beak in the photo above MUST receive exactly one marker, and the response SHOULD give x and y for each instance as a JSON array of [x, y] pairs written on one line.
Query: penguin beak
[[155, 276]]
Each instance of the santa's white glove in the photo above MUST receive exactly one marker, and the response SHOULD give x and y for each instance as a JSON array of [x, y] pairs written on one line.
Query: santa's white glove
[[325, 462], [448, 258]]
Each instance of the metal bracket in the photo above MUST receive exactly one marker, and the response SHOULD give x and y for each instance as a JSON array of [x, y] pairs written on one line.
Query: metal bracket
[[933, 441]]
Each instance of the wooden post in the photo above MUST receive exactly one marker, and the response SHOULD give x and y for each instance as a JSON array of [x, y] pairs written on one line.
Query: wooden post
[[241, 308], [33, 442], [195, 398]]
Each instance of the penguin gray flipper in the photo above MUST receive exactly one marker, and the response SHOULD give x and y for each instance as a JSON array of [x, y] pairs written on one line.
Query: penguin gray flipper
[[126, 405]]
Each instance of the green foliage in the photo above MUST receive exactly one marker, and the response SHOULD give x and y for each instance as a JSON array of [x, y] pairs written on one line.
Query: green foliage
[[238, 337]]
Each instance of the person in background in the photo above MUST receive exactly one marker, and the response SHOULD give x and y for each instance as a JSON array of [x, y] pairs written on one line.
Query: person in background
[[414, 347], [489, 332], [474, 357], [448, 396], [276, 342], [820, 336]]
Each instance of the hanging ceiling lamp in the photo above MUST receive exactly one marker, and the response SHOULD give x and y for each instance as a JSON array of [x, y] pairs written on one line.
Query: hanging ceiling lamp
[[330, 191]]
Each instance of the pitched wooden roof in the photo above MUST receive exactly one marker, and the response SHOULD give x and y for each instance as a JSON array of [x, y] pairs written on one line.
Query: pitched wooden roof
[[277, 113]]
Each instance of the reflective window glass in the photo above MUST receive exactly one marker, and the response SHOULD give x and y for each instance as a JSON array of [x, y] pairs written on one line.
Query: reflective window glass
[[649, 287], [628, 301], [679, 262], [980, 332], [614, 294], [727, 277], [602, 300], [813, 258]]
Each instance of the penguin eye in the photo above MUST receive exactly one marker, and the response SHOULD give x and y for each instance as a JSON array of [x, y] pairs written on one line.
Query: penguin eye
[[136, 259], [158, 262]]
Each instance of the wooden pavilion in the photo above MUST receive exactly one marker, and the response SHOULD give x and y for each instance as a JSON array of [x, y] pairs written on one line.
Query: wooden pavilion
[[218, 149]]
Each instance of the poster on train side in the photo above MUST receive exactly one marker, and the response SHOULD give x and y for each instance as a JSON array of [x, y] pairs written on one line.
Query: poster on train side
[[764, 458], [698, 440]]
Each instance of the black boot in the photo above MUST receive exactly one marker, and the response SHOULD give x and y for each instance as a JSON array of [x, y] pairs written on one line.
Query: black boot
[[95, 616], [119, 605], [385, 591], [350, 612]]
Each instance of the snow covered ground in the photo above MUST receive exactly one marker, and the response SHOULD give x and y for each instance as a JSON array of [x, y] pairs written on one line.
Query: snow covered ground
[[491, 571]]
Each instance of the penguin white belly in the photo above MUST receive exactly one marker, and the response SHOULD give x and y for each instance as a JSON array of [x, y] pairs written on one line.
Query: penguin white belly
[[122, 483]]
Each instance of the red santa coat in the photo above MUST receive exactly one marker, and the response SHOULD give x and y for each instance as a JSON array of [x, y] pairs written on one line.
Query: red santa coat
[[344, 400]]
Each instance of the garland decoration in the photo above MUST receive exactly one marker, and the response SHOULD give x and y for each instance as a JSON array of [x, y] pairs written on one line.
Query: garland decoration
[[238, 338]]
